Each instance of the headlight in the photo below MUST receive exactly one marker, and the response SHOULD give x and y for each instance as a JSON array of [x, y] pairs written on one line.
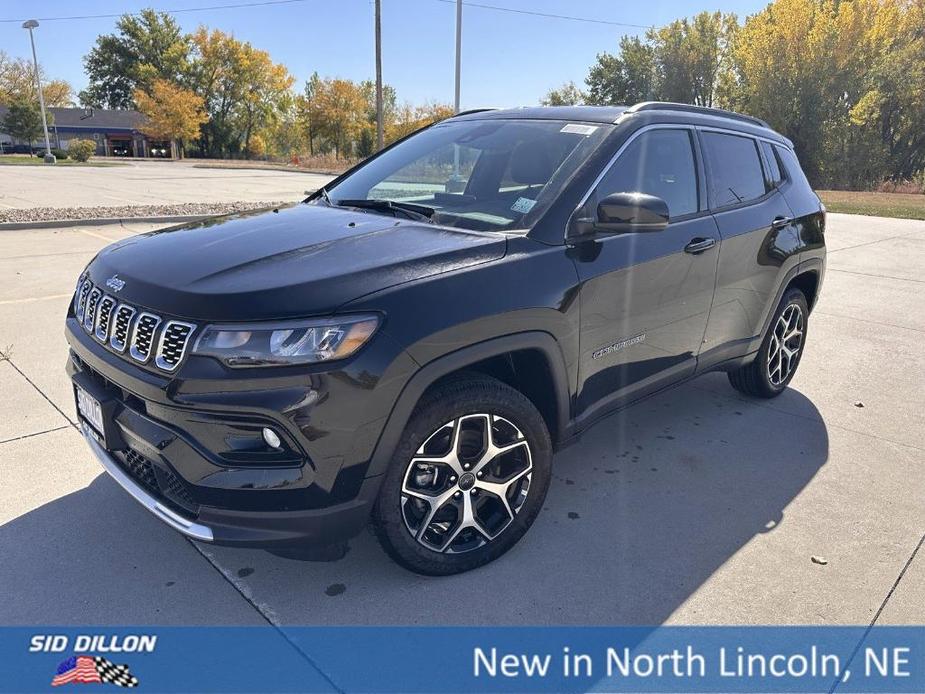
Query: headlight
[[290, 342]]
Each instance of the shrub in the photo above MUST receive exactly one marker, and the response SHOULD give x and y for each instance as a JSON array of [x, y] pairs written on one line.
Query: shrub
[[81, 150], [59, 153]]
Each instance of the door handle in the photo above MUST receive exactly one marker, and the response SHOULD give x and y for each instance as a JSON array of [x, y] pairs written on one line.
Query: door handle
[[699, 244], [781, 222]]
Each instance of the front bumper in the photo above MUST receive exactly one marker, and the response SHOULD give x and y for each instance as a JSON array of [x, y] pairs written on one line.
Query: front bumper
[[264, 529], [183, 448]]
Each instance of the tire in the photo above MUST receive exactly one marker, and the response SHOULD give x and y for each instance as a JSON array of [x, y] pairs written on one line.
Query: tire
[[471, 525], [774, 366]]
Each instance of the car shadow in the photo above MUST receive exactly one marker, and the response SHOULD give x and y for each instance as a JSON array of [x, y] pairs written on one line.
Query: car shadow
[[642, 511]]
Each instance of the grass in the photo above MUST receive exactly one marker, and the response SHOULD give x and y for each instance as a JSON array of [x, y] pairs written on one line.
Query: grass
[[901, 205], [23, 160]]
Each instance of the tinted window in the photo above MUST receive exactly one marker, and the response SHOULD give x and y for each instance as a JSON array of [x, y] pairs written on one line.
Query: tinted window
[[735, 168], [774, 175], [791, 166], [660, 163]]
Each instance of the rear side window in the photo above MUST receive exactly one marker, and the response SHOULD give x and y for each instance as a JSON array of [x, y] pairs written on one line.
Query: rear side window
[[735, 174], [658, 162], [775, 178], [792, 169]]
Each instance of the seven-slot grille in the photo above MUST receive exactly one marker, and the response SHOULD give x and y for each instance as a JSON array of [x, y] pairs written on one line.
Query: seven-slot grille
[[124, 328]]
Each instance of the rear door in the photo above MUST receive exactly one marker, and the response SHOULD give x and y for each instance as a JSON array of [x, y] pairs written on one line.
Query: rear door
[[759, 243], [645, 296]]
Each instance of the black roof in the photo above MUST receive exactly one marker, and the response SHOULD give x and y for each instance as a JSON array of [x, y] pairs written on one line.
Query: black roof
[[101, 119], [611, 114]]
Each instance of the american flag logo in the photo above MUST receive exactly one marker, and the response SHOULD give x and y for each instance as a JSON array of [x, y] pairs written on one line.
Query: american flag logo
[[88, 669]]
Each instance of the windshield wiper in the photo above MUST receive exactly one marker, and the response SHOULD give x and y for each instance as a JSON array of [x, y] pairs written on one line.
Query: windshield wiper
[[409, 209]]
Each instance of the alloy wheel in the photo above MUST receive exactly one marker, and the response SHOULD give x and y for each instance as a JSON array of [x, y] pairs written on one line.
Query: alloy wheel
[[466, 483], [785, 346]]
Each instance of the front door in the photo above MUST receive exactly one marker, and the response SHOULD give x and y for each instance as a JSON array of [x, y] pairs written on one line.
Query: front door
[[646, 296]]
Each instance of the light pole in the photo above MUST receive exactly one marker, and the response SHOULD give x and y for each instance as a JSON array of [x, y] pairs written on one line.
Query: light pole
[[380, 136], [30, 25], [457, 184], [458, 50]]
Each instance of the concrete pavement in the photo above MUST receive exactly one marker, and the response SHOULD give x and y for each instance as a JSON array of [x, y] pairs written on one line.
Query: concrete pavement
[[148, 183], [694, 507]]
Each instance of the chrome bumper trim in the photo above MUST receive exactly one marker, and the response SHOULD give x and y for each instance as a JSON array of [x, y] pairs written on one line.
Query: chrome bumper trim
[[174, 520]]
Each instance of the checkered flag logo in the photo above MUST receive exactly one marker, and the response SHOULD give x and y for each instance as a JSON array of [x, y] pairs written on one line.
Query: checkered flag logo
[[111, 673], [85, 669]]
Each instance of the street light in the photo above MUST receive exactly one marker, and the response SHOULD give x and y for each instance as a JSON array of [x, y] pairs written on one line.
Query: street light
[[30, 25]]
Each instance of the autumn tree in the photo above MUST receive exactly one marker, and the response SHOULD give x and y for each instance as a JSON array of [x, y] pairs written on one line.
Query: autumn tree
[[341, 108], [568, 94], [146, 46], [243, 90], [410, 118], [17, 81], [171, 113]]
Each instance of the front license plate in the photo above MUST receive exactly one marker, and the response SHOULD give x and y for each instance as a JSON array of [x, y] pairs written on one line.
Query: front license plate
[[89, 408]]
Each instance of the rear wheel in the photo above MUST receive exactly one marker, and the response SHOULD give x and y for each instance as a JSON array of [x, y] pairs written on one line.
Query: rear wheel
[[468, 479], [779, 355]]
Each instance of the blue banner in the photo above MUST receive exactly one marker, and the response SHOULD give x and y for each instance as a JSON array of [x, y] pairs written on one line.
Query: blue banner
[[464, 659]]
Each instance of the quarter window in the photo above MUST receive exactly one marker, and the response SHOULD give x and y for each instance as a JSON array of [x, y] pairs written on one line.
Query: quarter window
[[775, 178], [736, 175], [658, 162]]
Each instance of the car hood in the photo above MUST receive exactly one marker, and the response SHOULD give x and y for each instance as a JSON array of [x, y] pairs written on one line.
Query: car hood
[[297, 261]]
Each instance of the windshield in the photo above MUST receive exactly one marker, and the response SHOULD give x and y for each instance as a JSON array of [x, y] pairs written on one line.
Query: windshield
[[484, 175]]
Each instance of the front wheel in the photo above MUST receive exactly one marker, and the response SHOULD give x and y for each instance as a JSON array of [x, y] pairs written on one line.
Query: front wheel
[[467, 480], [779, 355]]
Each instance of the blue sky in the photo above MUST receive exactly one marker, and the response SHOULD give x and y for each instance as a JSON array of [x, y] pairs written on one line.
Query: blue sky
[[508, 59]]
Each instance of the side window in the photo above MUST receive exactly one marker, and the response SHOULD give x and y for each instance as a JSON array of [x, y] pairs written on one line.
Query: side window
[[658, 162], [735, 171], [775, 177], [792, 169]]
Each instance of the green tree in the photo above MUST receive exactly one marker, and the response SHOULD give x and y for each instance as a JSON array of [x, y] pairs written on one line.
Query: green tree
[[145, 47], [624, 78], [567, 94], [23, 121], [683, 61]]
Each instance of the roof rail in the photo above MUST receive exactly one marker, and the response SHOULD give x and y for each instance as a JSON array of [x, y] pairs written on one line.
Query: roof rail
[[474, 110], [689, 108]]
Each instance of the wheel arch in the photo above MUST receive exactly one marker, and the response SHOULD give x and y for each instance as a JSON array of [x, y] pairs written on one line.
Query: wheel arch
[[509, 358], [807, 280]]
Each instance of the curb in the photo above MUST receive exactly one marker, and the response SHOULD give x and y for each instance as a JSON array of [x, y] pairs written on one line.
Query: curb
[[281, 167], [100, 221]]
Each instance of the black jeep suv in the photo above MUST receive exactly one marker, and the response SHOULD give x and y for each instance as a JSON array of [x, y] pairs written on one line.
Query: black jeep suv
[[413, 342]]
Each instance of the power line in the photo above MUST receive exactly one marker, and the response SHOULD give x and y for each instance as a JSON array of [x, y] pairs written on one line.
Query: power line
[[233, 6], [268, 3], [548, 15]]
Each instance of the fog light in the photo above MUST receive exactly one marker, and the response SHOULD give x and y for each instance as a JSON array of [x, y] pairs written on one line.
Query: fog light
[[271, 437]]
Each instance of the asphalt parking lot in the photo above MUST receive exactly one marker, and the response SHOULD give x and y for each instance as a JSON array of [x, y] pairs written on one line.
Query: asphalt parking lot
[[694, 507], [148, 183]]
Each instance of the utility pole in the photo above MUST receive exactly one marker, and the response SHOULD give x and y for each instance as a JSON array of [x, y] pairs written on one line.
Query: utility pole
[[380, 134], [30, 25], [458, 50]]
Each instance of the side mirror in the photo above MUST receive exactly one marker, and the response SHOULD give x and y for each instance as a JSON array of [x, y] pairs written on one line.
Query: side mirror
[[626, 212]]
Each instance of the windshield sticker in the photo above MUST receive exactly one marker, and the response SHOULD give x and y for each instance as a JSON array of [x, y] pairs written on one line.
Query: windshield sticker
[[578, 129], [523, 205]]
